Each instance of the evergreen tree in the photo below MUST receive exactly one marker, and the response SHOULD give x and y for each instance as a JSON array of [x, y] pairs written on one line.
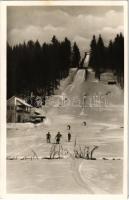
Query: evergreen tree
[[110, 55], [75, 56], [37, 69], [93, 56], [118, 58], [100, 54], [65, 57]]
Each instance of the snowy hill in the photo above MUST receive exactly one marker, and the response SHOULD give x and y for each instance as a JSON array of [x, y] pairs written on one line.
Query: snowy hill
[[104, 129], [92, 86], [74, 90]]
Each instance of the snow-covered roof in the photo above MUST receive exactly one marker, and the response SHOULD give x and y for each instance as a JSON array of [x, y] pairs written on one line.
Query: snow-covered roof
[[22, 101], [107, 74]]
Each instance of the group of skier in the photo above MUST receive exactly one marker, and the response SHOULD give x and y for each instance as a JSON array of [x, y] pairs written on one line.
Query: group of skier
[[58, 136]]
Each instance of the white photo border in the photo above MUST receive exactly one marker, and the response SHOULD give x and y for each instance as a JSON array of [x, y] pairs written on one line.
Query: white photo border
[[3, 42]]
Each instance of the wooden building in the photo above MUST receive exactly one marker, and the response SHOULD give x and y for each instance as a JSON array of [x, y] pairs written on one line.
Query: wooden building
[[18, 111]]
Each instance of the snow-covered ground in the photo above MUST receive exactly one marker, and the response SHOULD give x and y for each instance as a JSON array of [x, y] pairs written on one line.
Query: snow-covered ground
[[65, 176], [69, 175]]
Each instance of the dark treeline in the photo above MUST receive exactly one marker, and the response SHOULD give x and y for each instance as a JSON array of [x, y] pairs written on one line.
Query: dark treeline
[[104, 58], [38, 69], [32, 67]]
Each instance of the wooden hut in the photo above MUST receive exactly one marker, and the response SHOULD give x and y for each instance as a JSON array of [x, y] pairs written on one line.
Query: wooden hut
[[18, 111]]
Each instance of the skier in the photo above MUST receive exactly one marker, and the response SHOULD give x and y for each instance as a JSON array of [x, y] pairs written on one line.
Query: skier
[[69, 137], [48, 137], [58, 136], [84, 123], [68, 127]]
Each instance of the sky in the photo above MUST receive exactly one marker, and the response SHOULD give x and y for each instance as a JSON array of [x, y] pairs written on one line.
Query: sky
[[78, 23]]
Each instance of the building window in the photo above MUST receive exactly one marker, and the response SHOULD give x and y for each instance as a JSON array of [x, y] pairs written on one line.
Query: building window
[[10, 107]]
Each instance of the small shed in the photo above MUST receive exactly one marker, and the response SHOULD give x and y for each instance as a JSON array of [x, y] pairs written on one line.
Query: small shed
[[108, 78], [37, 117], [18, 111]]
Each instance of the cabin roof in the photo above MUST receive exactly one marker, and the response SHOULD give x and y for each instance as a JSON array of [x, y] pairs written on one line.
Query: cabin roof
[[22, 101]]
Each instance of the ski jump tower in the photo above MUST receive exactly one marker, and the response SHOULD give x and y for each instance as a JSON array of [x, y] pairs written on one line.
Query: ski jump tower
[[84, 63], [83, 60]]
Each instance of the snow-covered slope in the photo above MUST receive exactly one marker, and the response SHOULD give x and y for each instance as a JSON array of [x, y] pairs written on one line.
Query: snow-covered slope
[[79, 87], [74, 89], [104, 129]]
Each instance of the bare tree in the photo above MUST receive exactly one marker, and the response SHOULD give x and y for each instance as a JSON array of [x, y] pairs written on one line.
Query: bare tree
[[92, 151]]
